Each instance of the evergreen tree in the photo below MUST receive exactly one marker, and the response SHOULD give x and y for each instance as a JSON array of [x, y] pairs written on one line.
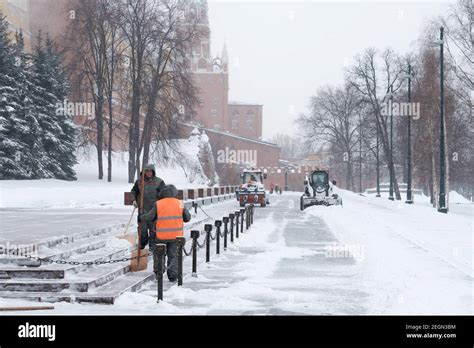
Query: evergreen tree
[[11, 146], [27, 128], [57, 130]]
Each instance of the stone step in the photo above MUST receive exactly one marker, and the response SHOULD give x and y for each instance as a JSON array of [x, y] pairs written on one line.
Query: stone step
[[87, 280], [105, 294], [55, 271]]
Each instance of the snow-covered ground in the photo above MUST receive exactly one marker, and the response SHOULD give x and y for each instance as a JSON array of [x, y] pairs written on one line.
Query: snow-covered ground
[[89, 192], [371, 256], [418, 260]]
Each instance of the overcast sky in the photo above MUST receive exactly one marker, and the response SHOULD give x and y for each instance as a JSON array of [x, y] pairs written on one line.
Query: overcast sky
[[282, 51]]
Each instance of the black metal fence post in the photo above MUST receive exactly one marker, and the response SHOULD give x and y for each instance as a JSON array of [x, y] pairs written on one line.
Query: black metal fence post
[[194, 236], [180, 242], [195, 206], [160, 252], [252, 210], [218, 225], [242, 212], [237, 223], [231, 216], [225, 219], [247, 217], [208, 229]]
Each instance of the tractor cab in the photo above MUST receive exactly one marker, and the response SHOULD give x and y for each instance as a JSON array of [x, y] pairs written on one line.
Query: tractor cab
[[318, 190], [252, 190]]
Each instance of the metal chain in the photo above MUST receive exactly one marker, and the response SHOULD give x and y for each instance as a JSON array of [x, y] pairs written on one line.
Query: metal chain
[[201, 245], [213, 238], [186, 253], [86, 263]]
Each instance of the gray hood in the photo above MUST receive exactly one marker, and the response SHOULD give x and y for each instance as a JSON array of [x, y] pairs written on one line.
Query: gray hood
[[169, 191]]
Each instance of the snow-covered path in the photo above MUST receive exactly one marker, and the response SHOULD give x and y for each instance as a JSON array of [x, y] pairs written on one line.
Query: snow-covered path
[[325, 260]]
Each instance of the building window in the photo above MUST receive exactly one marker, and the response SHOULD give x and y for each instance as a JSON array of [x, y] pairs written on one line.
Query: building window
[[235, 124], [250, 124], [213, 113], [235, 113], [250, 113]]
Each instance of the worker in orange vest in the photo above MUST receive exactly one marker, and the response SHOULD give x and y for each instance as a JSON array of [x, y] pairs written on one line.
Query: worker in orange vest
[[169, 216]]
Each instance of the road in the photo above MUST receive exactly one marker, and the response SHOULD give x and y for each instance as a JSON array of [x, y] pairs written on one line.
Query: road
[[282, 265]]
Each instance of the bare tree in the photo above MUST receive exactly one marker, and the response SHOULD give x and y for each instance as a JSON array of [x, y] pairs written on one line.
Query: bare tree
[[88, 44], [138, 25], [171, 92], [374, 78], [334, 119]]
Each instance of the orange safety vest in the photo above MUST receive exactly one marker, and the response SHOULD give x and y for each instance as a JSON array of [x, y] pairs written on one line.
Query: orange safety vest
[[169, 219]]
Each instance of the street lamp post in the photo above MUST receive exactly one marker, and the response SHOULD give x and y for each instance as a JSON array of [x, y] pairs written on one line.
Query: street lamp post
[[391, 166], [409, 191], [377, 163], [360, 153], [442, 207]]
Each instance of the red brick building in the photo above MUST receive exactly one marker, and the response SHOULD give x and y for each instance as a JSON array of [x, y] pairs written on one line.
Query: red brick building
[[245, 120], [211, 75]]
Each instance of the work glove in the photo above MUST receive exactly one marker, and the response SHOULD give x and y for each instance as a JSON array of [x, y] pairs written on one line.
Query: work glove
[[135, 204]]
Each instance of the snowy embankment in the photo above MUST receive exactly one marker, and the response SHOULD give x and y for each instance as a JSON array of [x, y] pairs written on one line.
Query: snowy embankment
[[184, 171], [417, 259]]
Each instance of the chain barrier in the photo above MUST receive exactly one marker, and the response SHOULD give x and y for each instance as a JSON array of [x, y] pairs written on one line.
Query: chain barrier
[[85, 263], [201, 245], [186, 253]]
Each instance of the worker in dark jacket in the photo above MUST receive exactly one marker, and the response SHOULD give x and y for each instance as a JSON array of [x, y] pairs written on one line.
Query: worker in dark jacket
[[168, 216], [152, 187]]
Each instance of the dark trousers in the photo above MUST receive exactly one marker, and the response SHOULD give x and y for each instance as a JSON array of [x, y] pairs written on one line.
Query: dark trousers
[[172, 260]]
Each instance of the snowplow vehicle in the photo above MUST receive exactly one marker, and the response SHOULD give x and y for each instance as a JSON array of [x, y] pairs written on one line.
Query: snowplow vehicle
[[318, 190], [252, 190]]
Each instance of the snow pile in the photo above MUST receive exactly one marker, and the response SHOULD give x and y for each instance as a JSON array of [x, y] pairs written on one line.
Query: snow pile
[[456, 198], [194, 163]]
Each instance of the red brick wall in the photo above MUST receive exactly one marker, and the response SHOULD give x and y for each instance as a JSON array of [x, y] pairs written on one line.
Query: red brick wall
[[245, 120], [213, 95], [265, 154]]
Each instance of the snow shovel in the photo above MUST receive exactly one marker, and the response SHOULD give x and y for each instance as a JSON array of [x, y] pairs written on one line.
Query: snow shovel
[[131, 238], [141, 262]]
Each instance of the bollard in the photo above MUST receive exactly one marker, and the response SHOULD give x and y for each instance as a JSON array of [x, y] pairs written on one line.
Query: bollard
[[252, 209], [226, 230], [218, 225], [160, 255], [242, 212], [195, 206], [237, 223], [208, 229], [180, 243], [247, 217], [231, 216], [194, 236]]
